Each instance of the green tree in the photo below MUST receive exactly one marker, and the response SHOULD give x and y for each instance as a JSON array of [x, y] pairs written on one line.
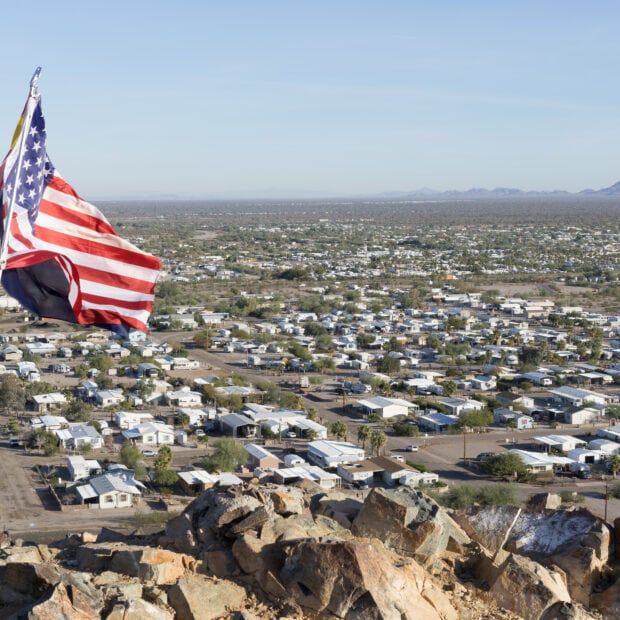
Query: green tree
[[46, 441], [505, 465], [324, 363], [614, 464], [613, 412], [81, 371], [449, 387], [77, 410], [365, 340], [164, 458], [531, 356], [229, 455], [13, 426], [403, 429], [130, 456], [479, 419], [203, 338], [363, 434], [182, 419], [12, 393], [290, 400], [378, 439], [102, 362], [339, 429], [165, 477], [388, 365], [312, 413]]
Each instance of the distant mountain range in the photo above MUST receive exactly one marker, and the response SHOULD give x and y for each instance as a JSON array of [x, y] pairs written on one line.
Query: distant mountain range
[[499, 192], [423, 193]]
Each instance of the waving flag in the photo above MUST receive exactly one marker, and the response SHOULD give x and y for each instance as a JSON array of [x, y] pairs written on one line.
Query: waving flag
[[60, 257]]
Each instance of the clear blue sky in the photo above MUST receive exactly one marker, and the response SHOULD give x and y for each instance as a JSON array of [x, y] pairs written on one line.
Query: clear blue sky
[[206, 98]]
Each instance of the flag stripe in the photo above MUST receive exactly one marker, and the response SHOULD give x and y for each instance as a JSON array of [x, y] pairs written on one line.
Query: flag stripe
[[65, 247]]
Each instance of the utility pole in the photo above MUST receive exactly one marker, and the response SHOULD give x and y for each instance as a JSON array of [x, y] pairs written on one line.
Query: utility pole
[[606, 499], [464, 445]]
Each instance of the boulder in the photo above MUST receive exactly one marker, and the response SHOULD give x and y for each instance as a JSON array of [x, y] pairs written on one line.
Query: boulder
[[544, 501], [25, 555], [487, 526], [151, 565], [607, 602], [361, 579], [62, 603], [520, 584], [138, 609], [201, 598], [214, 512], [286, 503], [26, 583], [338, 506], [409, 522], [180, 534], [220, 563]]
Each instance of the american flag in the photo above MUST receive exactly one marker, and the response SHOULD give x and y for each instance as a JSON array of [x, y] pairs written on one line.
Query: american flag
[[63, 258]]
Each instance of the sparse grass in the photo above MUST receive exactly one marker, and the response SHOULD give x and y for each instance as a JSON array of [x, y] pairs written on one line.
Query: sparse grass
[[154, 517], [569, 497], [464, 495]]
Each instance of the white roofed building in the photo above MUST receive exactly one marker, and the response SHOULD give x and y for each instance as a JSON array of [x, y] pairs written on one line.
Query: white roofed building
[[333, 453], [385, 407], [114, 489], [150, 434]]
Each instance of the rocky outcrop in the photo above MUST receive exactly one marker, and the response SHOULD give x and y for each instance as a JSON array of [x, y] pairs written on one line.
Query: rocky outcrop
[[522, 585], [361, 579], [409, 523], [266, 552], [150, 565], [574, 541], [201, 598]]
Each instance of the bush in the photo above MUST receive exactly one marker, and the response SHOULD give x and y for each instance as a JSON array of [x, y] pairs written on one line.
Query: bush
[[402, 429], [568, 497], [423, 468], [505, 465], [465, 495]]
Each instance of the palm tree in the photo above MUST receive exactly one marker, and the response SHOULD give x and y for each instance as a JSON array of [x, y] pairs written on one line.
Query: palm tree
[[378, 439], [339, 429], [363, 434], [614, 464]]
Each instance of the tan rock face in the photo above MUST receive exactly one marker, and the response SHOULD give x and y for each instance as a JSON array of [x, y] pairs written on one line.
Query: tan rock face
[[285, 503], [607, 602], [358, 579], [149, 564], [62, 604], [522, 585], [202, 598], [408, 522]]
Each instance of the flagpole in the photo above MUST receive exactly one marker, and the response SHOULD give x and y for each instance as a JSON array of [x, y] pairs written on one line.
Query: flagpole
[[34, 93]]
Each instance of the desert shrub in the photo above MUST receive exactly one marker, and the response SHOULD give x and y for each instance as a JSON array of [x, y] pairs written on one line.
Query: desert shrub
[[568, 497], [464, 495]]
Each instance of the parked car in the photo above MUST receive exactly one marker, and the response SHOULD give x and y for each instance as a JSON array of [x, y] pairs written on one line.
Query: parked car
[[412, 448], [199, 432], [149, 453]]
